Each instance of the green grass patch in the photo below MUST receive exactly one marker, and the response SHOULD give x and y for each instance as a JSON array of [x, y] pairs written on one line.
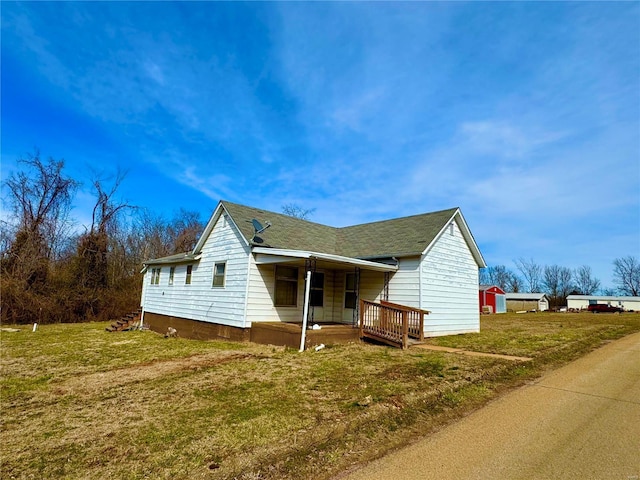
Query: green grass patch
[[78, 402]]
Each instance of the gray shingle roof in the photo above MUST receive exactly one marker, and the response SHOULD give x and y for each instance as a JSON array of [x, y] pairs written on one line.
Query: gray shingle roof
[[397, 237]]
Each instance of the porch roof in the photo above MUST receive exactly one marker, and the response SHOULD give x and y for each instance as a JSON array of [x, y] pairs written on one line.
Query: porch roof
[[278, 255]]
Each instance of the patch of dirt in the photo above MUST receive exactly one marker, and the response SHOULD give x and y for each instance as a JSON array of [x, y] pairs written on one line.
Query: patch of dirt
[[92, 383]]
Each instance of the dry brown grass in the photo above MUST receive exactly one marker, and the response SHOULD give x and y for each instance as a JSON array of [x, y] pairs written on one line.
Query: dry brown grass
[[78, 402]]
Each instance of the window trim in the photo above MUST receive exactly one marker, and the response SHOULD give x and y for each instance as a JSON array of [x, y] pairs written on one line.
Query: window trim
[[347, 291], [215, 275], [155, 276], [292, 280]]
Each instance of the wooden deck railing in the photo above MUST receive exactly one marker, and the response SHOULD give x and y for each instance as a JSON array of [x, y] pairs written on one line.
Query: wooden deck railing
[[391, 323]]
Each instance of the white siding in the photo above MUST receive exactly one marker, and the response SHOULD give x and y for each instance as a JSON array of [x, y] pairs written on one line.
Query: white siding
[[450, 286], [200, 300], [371, 285], [262, 294], [404, 285]]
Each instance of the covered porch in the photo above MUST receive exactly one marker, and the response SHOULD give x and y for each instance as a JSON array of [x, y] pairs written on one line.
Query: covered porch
[[296, 287]]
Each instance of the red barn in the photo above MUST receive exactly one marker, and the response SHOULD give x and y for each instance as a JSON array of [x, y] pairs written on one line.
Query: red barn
[[492, 299]]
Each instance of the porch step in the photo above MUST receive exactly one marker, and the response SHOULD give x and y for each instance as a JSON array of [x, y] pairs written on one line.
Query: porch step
[[127, 322]]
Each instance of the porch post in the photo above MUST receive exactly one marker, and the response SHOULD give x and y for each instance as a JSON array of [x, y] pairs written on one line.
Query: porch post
[[305, 311]]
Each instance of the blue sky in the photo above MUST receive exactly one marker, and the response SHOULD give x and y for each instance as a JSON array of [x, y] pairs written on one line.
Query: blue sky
[[525, 115]]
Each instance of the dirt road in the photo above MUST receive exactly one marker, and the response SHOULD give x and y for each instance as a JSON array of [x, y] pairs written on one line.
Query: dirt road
[[581, 421]]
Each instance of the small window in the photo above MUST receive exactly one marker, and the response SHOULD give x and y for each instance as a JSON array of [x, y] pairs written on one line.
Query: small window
[[350, 290], [218, 274], [316, 295], [155, 276], [187, 280], [171, 273], [451, 231], [286, 286]]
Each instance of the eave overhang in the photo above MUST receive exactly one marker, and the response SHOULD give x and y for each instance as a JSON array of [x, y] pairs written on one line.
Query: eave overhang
[[264, 256]]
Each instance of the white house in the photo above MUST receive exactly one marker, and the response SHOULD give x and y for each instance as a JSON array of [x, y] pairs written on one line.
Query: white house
[[582, 302], [250, 267], [527, 301]]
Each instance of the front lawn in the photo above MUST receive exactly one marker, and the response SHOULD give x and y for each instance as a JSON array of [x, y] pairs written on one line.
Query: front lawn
[[78, 402]]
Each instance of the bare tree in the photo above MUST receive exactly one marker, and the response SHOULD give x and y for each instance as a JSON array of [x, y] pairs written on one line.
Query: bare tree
[[585, 283], [184, 231], [40, 198], [499, 276], [514, 284], [558, 284], [296, 211], [531, 272], [626, 275], [93, 246]]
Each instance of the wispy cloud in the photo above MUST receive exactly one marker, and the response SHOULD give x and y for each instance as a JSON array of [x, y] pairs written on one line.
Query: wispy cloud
[[513, 111]]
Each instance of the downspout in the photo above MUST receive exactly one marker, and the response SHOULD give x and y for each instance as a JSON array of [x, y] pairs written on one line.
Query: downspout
[[305, 311]]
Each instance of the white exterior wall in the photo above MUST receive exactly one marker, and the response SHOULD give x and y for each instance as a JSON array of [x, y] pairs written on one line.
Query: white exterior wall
[[262, 294], [449, 282], [200, 300], [404, 285], [262, 281]]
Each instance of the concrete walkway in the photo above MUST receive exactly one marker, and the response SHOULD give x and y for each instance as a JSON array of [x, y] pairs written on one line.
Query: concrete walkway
[[581, 421]]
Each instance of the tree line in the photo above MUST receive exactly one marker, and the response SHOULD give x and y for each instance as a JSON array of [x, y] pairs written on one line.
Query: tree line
[[558, 282], [52, 272]]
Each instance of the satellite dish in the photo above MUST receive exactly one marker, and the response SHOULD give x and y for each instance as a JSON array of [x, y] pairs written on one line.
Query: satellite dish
[[258, 229]]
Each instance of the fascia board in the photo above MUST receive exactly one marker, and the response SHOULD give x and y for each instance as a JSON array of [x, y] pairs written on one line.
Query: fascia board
[[466, 233], [217, 213], [327, 257]]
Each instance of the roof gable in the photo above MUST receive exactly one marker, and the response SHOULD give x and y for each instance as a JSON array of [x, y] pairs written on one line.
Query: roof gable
[[400, 237]]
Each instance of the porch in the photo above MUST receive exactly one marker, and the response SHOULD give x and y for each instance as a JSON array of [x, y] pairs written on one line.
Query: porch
[[384, 322]]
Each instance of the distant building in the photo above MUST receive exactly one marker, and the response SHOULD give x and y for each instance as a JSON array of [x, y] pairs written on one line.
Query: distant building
[[492, 299], [582, 302], [527, 301]]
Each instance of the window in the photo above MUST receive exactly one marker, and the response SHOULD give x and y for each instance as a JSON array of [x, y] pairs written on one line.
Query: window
[[171, 273], [187, 280], [316, 295], [451, 231], [286, 286], [155, 276], [350, 290], [218, 274]]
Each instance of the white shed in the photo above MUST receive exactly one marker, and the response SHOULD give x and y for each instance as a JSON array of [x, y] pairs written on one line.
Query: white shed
[[582, 302]]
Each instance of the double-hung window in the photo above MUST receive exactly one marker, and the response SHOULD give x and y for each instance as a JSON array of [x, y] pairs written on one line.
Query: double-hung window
[[350, 291], [286, 286], [187, 280], [219, 270], [172, 271], [155, 276]]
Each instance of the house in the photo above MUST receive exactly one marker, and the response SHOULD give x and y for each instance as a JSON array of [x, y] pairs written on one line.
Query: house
[[492, 299], [582, 302], [253, 268], [517, 302]]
